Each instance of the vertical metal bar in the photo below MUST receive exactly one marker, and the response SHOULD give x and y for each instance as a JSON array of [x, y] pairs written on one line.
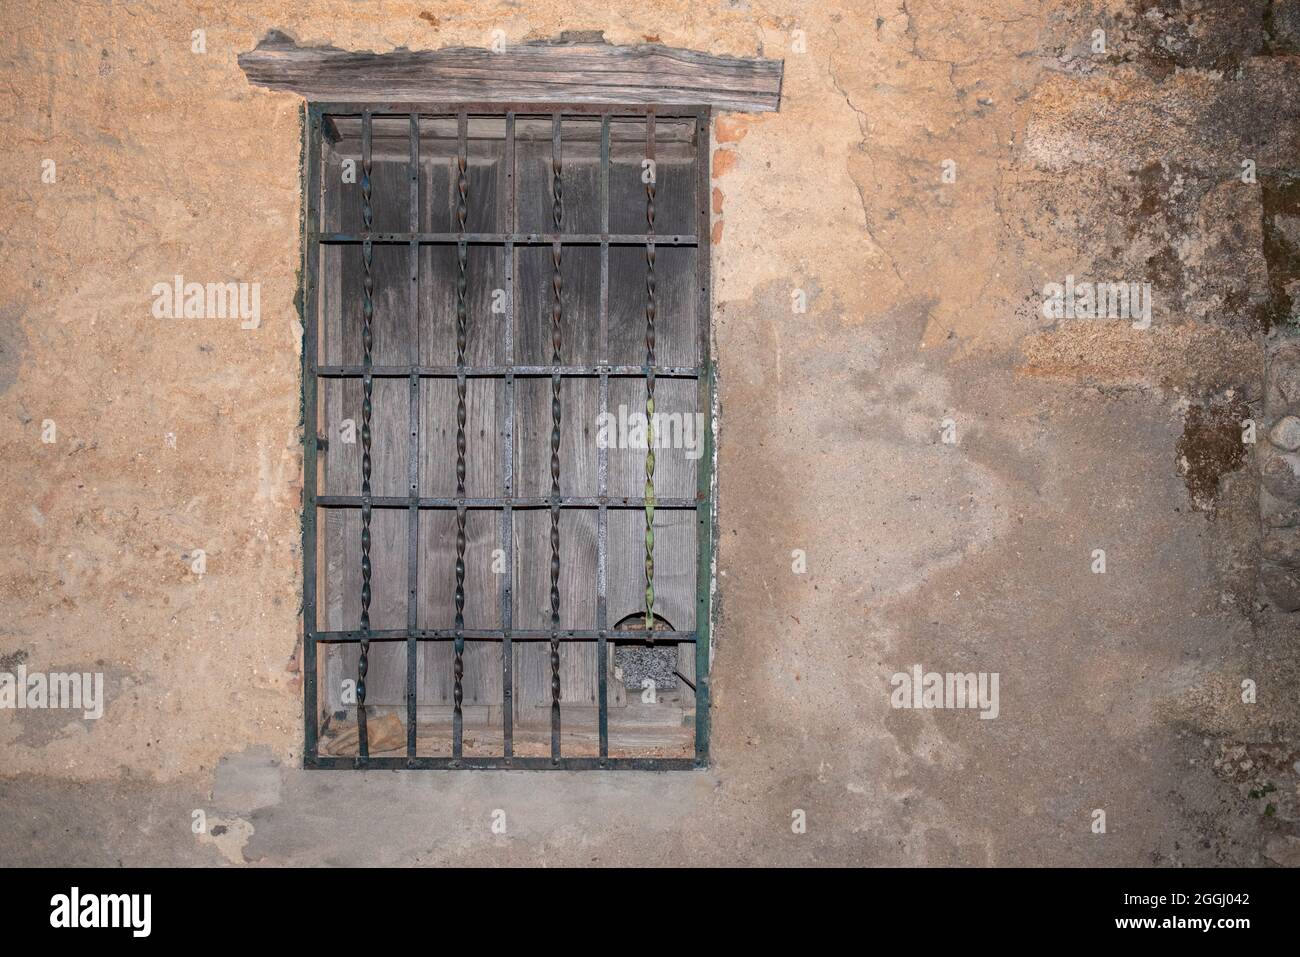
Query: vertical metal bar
[[557, 315], [413, 453], [462, 315], [704, 468], [651, 307], [602, 456], [507, 457], [310, 306], [367, 343]]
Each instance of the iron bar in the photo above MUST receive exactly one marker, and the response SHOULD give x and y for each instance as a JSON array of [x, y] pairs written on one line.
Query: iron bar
[[351, 108], [500, 239], [557, 315], [462, 316], [564, 501], [367, 385], [311, 307], [497, 371], [325, 762], [507, 458], [413, 448], [620, 637], [705, 488], [650, 310], [602, 462]]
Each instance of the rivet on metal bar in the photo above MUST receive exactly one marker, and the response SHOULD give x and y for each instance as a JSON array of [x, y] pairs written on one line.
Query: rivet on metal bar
[[557, 315], [367, 385], [462, 188]]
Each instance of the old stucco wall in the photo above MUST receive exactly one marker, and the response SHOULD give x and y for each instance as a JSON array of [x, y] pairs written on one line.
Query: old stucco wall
[[1119, 691]]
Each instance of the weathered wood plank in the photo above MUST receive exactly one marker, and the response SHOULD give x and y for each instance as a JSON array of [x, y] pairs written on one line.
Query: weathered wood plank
[[395, 311], [579, 403], [525, 73], [393, 326]]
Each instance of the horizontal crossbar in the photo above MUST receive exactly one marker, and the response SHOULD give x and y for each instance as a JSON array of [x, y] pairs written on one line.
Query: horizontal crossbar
[[620, 637], [564, 501], [501, 763], [378, 109], [496, 372], [500, 239]]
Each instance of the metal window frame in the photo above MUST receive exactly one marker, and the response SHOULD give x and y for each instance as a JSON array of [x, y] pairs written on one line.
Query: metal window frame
[[704, 503]]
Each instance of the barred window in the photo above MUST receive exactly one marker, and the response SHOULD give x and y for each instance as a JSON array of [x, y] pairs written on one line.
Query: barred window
[[507, 405]]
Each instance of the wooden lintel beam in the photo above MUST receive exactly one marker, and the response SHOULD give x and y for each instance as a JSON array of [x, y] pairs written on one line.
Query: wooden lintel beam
[[526, 73]]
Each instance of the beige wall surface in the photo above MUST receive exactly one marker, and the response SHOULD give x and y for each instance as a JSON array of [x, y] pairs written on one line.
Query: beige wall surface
[[924, 307]]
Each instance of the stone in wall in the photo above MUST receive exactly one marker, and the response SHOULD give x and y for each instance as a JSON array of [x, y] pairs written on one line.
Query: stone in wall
[[1279, 468]]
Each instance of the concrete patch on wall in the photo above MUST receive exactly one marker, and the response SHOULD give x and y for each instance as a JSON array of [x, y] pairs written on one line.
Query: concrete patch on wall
[[247, 781], [229, 835], [12, 345], [34, 729]]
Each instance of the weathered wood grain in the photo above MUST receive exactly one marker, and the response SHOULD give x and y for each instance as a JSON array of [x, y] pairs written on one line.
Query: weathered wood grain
[[524, 73], [395, 324]]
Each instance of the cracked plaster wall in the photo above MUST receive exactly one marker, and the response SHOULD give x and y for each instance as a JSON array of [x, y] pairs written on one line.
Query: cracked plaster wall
[[924, 305]]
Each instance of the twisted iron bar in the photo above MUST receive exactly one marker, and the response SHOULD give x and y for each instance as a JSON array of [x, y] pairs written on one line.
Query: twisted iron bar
[[557, 314], [367, 385], [462, 188], [650, 311]]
